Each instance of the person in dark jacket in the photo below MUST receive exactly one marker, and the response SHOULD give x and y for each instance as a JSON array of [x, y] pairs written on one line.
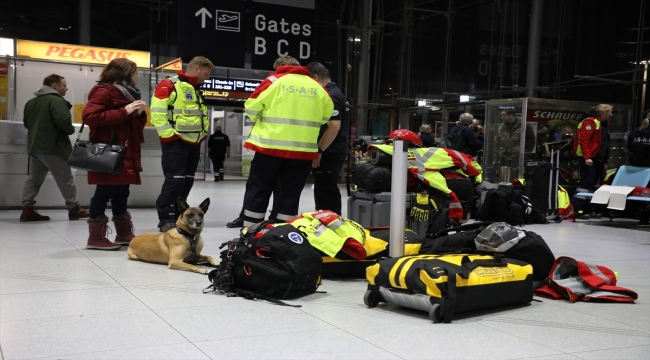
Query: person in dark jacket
[[48, 122], [472, 143], [638, 142], [115, 113], [218, 150], [425, 135], [327, 167]]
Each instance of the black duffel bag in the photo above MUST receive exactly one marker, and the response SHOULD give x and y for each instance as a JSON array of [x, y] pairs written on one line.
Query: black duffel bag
[[374, 178], [531, 249]]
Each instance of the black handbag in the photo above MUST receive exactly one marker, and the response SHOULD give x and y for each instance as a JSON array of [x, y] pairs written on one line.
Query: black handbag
[[93, 156]]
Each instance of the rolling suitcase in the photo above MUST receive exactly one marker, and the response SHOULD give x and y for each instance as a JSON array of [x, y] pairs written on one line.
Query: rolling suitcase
[[542, 185], [446, 284]]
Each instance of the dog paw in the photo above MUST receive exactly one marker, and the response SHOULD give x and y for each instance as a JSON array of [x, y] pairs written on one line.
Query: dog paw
[[204, 272]]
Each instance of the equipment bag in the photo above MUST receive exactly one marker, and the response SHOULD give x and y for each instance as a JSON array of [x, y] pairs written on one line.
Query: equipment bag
[[371, 177], [575, 280], [462, 239], [529, 248], [446, 284], [376, 245], [509, 204], [268, 262]]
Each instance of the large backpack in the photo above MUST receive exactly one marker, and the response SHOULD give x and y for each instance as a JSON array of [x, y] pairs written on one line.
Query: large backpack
[[268, 262], [455, 141]]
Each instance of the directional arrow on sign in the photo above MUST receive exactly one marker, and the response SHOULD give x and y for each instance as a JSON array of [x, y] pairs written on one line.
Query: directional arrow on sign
[[203, 12]]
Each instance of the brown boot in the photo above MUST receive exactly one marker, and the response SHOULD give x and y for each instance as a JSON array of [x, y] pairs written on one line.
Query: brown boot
[[77, 212], [124, 229], [98, 228], [30, 214]]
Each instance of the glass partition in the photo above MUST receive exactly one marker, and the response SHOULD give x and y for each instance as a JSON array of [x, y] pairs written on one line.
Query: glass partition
[[528, 129]]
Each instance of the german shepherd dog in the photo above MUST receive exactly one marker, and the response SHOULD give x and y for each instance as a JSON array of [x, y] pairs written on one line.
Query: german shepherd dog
[[179, 248]]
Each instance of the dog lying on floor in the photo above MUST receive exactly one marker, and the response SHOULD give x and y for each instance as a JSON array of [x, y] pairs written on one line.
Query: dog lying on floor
[[179, 248]]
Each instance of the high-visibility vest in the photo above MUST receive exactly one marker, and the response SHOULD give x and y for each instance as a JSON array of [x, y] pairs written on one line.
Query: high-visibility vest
[[565, 209], [575, 280], [578, 149], [328, 232], [183, 114], [426, 163], [287, 117]]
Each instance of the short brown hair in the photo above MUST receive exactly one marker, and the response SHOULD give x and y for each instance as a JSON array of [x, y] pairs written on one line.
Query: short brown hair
[[200, 61], [285, 60], [318, 69], [52, 79], [118, 71]]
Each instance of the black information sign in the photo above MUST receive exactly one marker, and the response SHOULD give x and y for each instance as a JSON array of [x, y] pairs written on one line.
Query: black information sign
[[224, 31], [215, 29]]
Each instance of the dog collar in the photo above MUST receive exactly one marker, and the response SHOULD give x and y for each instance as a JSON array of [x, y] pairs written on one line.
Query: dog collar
[[192, 238]]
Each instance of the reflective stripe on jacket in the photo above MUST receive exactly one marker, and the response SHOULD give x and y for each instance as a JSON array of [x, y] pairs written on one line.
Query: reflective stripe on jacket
[[181, 115], [288, 109], [328, 232], [575, 280], [426, 163]]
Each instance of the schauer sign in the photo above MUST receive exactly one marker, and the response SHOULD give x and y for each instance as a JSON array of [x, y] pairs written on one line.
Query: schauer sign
[[216, 87], [225, 30]]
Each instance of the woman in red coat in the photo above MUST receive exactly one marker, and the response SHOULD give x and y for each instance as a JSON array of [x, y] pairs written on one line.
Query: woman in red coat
[[114, 112]]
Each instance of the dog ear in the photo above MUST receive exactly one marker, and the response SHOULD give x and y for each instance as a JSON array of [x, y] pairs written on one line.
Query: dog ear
[[182, 205], [204, 205]]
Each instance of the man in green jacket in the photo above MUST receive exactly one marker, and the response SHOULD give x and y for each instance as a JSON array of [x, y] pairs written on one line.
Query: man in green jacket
[[49, 123]]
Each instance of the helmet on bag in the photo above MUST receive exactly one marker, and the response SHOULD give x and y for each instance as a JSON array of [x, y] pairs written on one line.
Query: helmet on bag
[[406, 134]]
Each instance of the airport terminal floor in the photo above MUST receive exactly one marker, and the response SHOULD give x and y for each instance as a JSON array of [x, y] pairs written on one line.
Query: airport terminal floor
[[59, 300]]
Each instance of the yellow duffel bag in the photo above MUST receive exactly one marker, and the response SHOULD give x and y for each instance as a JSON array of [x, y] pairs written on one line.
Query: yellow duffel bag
[[446, 284]]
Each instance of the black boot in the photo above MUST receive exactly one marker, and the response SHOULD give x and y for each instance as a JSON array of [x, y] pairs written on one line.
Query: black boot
[[238, 222]]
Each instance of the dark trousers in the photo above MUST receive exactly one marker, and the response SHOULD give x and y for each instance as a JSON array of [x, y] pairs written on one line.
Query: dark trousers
[[265, 172], [179, 163], [327, 195], [217, 164], [589, 177], [277, 200], [118, 195]]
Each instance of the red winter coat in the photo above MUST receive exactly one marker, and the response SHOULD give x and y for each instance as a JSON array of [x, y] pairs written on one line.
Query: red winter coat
[[105, 111], [588, 137]]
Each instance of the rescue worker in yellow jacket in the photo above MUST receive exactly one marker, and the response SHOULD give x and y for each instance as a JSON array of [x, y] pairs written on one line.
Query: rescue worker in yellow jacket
[[180, 117], [288, 109]]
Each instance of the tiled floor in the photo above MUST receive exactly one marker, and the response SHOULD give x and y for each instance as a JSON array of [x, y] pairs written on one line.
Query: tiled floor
[[61, 301]]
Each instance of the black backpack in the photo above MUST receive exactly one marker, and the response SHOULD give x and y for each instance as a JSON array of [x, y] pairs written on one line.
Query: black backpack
[[268, 263], [510, 205], [456, 141]]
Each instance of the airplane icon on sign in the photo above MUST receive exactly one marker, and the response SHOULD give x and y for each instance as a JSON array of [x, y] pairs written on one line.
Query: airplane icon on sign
[[225, 18], [228, 20]]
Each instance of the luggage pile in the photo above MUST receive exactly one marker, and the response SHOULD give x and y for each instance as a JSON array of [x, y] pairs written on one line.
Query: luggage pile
[[440, 188]]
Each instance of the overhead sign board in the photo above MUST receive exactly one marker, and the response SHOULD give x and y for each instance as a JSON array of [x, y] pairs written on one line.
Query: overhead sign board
[[214, 29], [78, 53], [217, 87], [225, 31]]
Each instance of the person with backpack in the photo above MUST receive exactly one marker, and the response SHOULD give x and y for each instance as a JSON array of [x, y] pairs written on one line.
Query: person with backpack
[[591, 146], [469, 135]]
